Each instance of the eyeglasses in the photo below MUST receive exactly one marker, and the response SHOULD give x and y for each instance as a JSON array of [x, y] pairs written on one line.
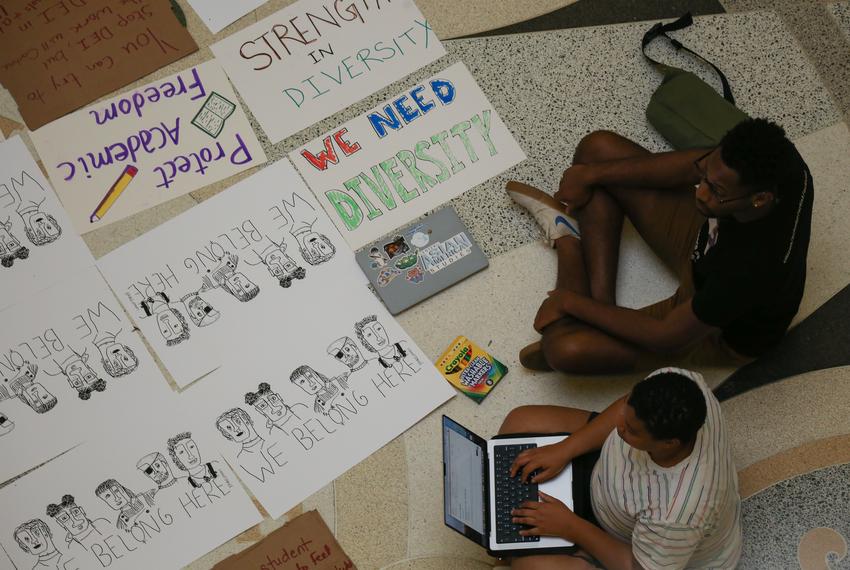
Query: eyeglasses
[[703, 175]]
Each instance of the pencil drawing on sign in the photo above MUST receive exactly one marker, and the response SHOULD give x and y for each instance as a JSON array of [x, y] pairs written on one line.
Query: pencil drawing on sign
[[24, 387], [40, 227], [237, 426], [171, 322], [6, 425], [80, 376], [391, 355], [34, 537], [130, 505], [225, 276], [315, 248], [202, 313], [346, 351], [269, 403], [280, 265], [327, 391], [186, 456], [10, 246], [156, 468], [80, 530], [117, 358]]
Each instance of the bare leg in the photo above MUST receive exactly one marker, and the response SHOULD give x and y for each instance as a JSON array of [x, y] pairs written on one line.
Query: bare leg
[[544, 419], [550, 562]]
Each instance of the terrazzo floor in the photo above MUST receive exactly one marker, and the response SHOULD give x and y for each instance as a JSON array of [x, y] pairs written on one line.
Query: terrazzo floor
[[790, 439]]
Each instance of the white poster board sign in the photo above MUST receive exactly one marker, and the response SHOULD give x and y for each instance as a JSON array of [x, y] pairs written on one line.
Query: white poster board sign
[[71, 368], [412, 153], [253, 252], [146, 146], [296, 415], [217, 15], [316, 57], [162, 499], [38, 246]]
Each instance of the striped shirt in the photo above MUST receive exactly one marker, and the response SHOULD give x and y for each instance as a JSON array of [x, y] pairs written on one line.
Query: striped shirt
[[685, 516]]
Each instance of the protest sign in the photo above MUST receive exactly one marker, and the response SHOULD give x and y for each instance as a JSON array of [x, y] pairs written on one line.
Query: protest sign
[[218, 15], [59, 56], [253, 252], [161, 500], [147, 146], [412, 153], [38, 247], [70, 367], [316, 57], [304, 543]]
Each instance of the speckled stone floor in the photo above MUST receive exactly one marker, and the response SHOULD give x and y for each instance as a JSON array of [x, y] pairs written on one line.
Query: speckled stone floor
[[787, 60]]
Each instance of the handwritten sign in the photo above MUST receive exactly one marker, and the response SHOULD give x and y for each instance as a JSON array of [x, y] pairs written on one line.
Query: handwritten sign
[[316, 57], [304, 543], [61, 55], [141, 495], [218, 15], [70, 368], [147, 146], [38, 247], [255, 252], [410, 154]]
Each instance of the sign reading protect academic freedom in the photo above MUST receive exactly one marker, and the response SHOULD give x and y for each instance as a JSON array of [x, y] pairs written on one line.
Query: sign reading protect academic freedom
[[316, 57], [147, 146], [410, 154]]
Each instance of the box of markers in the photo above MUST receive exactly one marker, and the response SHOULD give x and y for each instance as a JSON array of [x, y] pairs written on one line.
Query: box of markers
[[470, 368]]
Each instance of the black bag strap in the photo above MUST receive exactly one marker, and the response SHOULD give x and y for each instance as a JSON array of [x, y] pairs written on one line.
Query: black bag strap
[[661, 29]]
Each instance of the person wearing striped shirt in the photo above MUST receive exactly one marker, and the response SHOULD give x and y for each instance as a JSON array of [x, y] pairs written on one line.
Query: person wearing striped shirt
[[664, 489]]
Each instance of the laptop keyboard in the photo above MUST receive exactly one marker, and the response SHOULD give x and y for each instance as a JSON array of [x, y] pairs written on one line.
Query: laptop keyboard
[[510, 492]]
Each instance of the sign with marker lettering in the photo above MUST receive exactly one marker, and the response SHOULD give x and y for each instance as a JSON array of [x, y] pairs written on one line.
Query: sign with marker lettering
[[147, 145], [71, 368], [316, 57], [142, 495], [410, 154], [304, 543], [61, 55]]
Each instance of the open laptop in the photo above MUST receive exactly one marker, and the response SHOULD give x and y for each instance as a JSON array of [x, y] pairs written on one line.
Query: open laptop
[[479, 492], [420, 260]]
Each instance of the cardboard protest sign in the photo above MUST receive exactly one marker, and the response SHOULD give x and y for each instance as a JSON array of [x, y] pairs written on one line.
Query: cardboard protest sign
[[254, 251], [409, 155], [38, 247], [303, 543], [316, 57], [339, 380], [59, 56], [70, 368], [147, 146], [161, 500], [218, 15]]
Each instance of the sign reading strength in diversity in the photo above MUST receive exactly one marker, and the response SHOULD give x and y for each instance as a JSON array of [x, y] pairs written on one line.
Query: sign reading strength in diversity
[[407, 156], [316, 57], [147, 146]]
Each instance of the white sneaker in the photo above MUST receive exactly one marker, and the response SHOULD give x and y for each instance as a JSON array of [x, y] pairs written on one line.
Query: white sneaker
[[547, 212]]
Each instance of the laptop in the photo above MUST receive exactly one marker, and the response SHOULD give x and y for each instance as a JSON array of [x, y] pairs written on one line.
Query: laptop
[[420, 260], [479, 493]]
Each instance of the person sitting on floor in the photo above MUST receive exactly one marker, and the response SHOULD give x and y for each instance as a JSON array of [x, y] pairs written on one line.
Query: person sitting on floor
[[664, 490], [738, 248]]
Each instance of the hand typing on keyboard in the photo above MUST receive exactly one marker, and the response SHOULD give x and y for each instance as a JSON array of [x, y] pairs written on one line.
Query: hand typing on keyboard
[[510, 493], [546, 517], [541, 463]]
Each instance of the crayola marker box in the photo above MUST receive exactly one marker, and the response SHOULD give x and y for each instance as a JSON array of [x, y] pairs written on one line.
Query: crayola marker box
[[470, 369]]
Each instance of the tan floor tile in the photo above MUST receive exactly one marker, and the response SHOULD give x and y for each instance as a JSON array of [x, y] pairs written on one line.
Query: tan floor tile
[[371, 508], [439, 563]]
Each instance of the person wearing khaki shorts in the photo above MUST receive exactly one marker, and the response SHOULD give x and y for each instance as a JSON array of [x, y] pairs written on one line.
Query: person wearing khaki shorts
[[732, 222]]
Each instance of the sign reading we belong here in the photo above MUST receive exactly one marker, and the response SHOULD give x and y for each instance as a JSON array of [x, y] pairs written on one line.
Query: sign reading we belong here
[[410, 154], [316, 57]]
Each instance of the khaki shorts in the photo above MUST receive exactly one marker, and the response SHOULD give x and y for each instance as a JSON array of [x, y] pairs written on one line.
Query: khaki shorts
[[671, 235]]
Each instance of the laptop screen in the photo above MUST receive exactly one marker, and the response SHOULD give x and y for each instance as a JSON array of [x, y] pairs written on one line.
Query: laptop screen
[[464, 483]]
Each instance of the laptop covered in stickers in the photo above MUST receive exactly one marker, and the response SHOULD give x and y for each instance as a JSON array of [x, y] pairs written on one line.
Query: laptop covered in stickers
[[420, 260]]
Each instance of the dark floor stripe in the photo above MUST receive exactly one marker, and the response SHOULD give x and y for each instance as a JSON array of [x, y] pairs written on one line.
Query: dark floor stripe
[[603, 12], [821, 341]]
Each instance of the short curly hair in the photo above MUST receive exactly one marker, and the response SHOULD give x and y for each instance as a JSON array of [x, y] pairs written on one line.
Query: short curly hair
[[670, 405], [358, 328], [304, 369], [67, 501], [761, 154], [172, 444], [252, 397], [30, 525], [232, 413]]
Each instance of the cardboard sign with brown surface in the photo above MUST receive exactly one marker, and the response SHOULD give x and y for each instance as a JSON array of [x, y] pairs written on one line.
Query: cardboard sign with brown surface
[[304, 543]]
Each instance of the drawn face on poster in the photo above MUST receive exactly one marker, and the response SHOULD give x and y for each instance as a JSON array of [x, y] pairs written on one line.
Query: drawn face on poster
[[156, 468]]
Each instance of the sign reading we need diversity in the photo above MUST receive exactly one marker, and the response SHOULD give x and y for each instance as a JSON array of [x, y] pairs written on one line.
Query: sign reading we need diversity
[[316, 57], [406, 157], [147, 146]]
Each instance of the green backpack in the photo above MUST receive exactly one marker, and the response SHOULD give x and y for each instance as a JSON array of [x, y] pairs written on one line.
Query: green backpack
[[684, 109]]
